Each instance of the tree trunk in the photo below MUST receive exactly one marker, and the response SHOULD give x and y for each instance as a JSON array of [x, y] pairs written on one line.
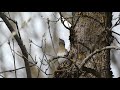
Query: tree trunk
[[89, 32]]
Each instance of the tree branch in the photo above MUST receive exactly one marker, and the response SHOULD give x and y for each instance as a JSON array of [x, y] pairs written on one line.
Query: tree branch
[[95, 52], [20, 43], [63, 21], [15, 69]]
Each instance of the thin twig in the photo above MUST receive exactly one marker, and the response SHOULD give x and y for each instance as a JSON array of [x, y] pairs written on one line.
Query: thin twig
[[115, 33], [16, 69], [51, 36], [54, 21], [39, 47], [19, 54], [13, 54], [14, 59], [117, 40], [62, 21]]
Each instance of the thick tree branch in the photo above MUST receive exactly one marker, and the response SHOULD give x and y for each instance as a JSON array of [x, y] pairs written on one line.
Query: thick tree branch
[[20, 43]]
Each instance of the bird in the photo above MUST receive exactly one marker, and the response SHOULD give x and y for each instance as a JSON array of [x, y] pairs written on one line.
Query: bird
[[62, 51]]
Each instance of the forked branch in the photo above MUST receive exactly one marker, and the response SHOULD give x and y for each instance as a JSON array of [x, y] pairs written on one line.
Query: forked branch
[[20, 43]]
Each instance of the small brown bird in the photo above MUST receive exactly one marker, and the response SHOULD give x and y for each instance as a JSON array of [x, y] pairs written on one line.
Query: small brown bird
[[62, 51]]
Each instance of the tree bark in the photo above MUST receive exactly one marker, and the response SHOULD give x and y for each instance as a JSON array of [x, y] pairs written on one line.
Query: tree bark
[[89, 32]]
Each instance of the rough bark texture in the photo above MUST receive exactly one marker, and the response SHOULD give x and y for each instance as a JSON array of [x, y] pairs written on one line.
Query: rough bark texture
[[88, 33]]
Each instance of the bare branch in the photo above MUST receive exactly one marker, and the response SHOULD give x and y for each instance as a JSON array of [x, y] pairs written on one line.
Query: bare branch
[[20, 43], [63, 21], [115, 33], [95, 52], [13, 54], [16, 69], [48, 22], [117, 40]]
